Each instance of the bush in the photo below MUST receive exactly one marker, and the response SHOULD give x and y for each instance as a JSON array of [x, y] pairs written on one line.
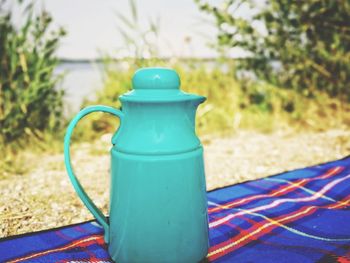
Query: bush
[[29, 103], [301, 45]]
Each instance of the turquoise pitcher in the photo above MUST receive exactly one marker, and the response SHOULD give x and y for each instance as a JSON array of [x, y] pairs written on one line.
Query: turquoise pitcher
[[158, 206]]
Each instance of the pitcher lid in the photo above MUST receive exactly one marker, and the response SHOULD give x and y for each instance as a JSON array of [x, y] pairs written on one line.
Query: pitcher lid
[[157, 84]]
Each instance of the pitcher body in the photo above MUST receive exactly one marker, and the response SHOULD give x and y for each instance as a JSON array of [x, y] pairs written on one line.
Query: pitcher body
[[158, 210]]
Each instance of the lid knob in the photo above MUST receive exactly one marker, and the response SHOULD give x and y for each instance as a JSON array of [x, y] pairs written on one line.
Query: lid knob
[[156, 78]]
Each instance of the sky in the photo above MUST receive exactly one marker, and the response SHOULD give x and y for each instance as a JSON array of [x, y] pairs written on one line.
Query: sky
[[92, 27]]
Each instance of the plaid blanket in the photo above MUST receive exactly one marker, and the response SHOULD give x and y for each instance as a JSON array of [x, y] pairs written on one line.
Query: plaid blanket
[[297, 216]]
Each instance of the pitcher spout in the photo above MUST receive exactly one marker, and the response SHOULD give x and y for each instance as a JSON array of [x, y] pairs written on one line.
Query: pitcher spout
[[195, 101], [198, 99]]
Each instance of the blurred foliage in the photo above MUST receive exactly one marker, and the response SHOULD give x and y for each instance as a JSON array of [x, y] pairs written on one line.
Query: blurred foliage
[[247, 103], [304, 45], [140, 39], [302, 91], [231, 105], [30, 104], [215, 115]]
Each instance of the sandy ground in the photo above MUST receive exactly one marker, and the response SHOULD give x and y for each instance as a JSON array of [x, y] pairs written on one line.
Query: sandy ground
[[44, 198]]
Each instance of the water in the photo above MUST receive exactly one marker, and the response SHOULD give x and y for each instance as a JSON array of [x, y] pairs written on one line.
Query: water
[[81, 81]]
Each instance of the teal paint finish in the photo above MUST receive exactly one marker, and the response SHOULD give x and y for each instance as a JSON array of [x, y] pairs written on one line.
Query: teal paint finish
[[158, 207], [159, 211], [155, 78], [157, 128], [158, 85], [77, 186]]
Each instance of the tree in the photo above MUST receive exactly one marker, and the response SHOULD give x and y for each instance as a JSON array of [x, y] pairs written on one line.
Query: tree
[[304, 45], [29, 100]]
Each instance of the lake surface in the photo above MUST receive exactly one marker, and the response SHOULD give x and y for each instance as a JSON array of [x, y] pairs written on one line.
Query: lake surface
[[81, 81]]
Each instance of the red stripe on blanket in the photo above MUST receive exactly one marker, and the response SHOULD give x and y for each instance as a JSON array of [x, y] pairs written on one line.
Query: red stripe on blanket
[[84, 242], [277, 192], [275, 203], [264, 227]]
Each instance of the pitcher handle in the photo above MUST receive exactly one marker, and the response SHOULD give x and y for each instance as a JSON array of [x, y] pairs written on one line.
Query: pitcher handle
[[76, 184]]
